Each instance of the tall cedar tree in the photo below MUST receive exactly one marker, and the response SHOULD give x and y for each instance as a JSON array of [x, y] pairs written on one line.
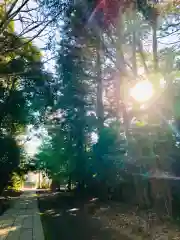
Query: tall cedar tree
[[74, 87]]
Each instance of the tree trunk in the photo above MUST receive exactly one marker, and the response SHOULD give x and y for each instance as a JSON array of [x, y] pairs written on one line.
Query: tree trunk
[[143, 58], [55, 185], [134, 63], [39, 179], [155, 45], [100, 107], [134, 43], [69, 183], [81, 159], [120, 65]]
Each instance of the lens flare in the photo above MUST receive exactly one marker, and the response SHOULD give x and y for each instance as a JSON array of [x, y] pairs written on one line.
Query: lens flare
[[142, 91]]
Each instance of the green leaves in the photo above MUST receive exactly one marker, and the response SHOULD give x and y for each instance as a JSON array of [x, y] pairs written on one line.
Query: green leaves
[[24, 89], [107, 155]]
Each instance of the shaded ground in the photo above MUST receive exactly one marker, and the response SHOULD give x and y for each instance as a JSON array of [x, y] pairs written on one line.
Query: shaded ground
[[65, 218], [6, 199], [11, 193]]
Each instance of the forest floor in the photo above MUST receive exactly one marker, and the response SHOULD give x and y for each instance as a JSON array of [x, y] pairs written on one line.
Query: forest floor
[[11, 193], [66, 218]]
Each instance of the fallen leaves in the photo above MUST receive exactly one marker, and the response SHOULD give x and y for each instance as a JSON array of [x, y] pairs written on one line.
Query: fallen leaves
[[137, 224]]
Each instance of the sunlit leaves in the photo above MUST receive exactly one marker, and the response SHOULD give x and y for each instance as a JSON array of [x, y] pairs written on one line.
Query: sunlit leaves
[[155, 79]]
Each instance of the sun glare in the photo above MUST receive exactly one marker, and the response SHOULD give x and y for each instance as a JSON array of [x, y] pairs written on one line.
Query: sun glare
[[142, 91]]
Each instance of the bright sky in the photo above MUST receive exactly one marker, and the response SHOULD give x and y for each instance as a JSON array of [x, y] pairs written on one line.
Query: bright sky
[[32, 146], [35, 141], [40, 41]]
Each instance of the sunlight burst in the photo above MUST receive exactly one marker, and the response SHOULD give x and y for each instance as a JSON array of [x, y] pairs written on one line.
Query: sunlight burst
[[142, 91]]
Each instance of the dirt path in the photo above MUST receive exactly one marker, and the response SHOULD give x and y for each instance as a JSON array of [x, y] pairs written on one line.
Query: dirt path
[[63, 218]]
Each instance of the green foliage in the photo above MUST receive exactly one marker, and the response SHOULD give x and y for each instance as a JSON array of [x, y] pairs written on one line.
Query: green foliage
[[16, 182], [53, 159], [107, 156], [9, 159], [24, 91], [9, 154], [45, 184]]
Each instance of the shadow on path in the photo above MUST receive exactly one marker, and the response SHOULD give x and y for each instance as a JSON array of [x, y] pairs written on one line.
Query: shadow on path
[[22, 221], [64, 218]]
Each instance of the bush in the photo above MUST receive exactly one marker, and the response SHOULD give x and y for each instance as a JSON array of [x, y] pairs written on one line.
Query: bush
[[16, 182], [44, 184]]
